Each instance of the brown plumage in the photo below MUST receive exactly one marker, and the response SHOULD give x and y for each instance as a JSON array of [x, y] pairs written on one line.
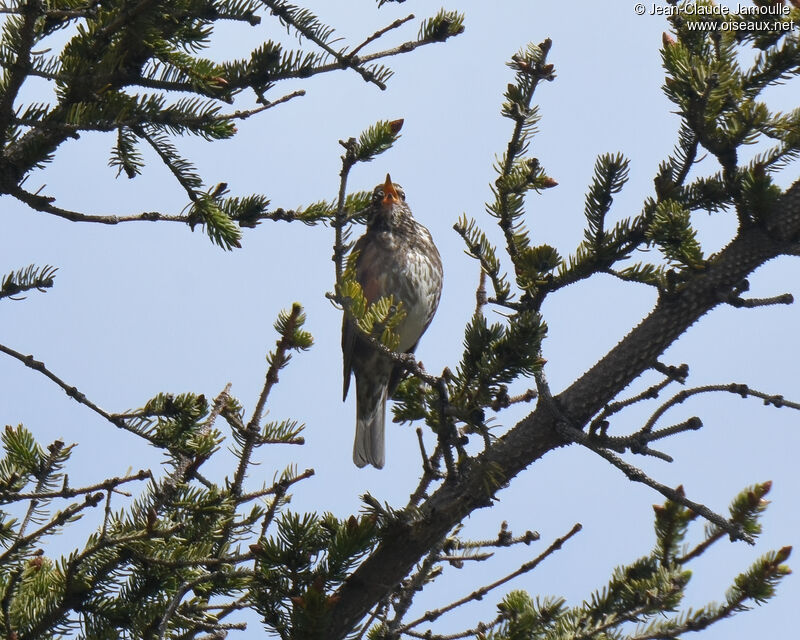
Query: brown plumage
[[396, 256]]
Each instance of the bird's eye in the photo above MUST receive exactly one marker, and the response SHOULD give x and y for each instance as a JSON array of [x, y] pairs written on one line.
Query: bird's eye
[[377, 195], [400, 193]]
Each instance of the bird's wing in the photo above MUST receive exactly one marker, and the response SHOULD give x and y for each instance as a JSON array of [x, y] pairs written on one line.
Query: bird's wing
[[349, 331], [348, 344]]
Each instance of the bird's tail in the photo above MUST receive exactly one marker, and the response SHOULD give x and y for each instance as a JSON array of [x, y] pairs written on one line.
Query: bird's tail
[[368, 447]]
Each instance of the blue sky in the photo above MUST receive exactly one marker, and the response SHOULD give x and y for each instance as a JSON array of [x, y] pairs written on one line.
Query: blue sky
[[142, 308]]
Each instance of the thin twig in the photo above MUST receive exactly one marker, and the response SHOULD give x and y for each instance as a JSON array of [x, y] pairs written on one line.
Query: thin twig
[[504, 539], [279, 486], [448, 436], [185, 588], [478, 631], [426, 463], [739, 389], [752, 303], [480, 293], [573, 434], [700, 548], [734, 530], [412, 586], [397, 23], [174, 170], [428, 476], [16, 74], [615, 407], [638, 442], [107, 485], [366, 626], [343, 60], [430, 616], [61, 518], [45, 205], [106, 514], [253, 429], [405, 47], [348, 160], [71, 391], [48, 468], [247, 113], [219, 405]]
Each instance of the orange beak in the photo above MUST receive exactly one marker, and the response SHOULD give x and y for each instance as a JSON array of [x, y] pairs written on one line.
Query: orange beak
[[389, 192]]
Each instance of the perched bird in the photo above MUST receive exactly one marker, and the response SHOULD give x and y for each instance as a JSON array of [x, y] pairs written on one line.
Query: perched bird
[[396, 256]]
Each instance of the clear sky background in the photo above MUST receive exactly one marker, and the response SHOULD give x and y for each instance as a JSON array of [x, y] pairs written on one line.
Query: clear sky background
[[142, 308]]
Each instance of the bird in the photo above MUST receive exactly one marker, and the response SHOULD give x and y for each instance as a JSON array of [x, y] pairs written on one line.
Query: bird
[[396, 256]]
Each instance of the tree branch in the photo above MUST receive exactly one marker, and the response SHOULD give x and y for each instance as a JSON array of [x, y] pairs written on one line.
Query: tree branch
[[478, 594], [536, 435]]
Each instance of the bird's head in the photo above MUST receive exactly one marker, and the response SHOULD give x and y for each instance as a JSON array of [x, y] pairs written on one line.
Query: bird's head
[[389, 206]]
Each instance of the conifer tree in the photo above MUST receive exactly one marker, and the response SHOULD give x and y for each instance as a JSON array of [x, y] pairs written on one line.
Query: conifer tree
[[188, 552]]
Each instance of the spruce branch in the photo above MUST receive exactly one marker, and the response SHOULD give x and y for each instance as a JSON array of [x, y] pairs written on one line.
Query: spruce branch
[[45, 205], [745, 509], [110, 484], [742, 390], [380, 32], [504, 539], [405, 47], [95, 99], [479, 247], [278, 487], [172, 608], [183, 171], [244, 114], [73, 392], [531, 67], [478, 594], [757, 585], [430, 472], [73, 594], [480, 293], [437, 29], [340, 234], [292, 337], [687, 155], [56, 522], [404, 597], [634, 474], [601, 421], [282, 487], [27, 279], [47, 473], [371, 142], [610, 175], [541, 431], [309, 27], [30, 14]]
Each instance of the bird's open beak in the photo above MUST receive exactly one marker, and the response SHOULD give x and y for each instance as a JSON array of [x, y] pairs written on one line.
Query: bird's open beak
[[389, 192]]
